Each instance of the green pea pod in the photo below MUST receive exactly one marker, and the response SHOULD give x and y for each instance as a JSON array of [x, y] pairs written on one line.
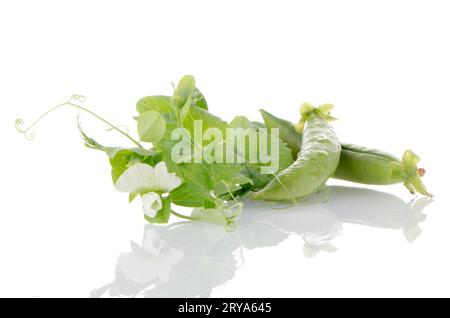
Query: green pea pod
[[370, 166], [318, 159], [361, 164]]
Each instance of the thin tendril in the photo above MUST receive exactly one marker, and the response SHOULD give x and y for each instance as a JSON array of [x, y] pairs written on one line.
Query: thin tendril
[[123, 127], [229, 192], [26, 132], [288, 190], [74, 98], [108, 123]]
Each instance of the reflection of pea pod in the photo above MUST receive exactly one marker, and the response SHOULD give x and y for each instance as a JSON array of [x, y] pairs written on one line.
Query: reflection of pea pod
[[378, 209], [360, 164], [374, 208], [317, 161]]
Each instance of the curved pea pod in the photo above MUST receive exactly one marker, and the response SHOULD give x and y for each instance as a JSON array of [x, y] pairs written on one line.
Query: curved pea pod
[[317, 161], [361, 164]]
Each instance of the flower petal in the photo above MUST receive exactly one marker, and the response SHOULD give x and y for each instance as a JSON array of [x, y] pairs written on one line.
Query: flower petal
[[152, 242], [136, 178], [165, 181], [151, 204]]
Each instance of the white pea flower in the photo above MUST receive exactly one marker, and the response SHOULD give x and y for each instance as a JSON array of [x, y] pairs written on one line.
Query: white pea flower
[[151, 203], [143, 178], [165, 181]]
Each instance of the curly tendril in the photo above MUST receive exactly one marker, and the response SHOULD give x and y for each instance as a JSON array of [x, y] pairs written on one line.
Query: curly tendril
[[28, 135], [73, 102], [78, 98]]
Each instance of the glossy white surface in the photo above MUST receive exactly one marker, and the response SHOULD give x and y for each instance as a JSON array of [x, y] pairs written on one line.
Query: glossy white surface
[[189, 259], [64, 231]]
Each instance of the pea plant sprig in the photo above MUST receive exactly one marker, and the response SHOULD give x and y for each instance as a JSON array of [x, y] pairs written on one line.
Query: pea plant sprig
[[71, 102], [176, 161]]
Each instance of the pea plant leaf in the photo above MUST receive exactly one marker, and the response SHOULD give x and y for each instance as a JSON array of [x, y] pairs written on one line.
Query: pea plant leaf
[[132, 196], [199, 100], [184, 90], [187, 171], [124, 158], [91, 143], [186, 93], [159, 103], [240, 122], [222, 174], [163, 215], [151, 126], [190, 194], [220, 178], [285, 158], [207, 119], [254, 170]]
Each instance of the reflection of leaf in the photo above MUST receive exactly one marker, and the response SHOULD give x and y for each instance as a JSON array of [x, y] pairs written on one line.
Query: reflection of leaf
[[225, 214]]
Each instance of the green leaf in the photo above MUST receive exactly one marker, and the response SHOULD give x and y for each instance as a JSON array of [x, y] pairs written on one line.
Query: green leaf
[[222, 174], [119, 163], [240, 122], [200, 100], [209, 204], [185, 109], [190, 194], [287, 132], [207, 119], [227, 177], [161, 104], [259, 180], [142, 152], [151, 126], [221, 178], [123, 158], [257, 124], [184, 90], [132, 196], [112, 151], [163, 215], [186, 171]]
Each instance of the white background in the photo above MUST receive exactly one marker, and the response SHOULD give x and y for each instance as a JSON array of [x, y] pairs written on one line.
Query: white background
[[384, 64]]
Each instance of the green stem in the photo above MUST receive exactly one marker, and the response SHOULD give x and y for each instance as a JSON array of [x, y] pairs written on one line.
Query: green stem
[[107, 123], [190, 218], [30, 135]]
